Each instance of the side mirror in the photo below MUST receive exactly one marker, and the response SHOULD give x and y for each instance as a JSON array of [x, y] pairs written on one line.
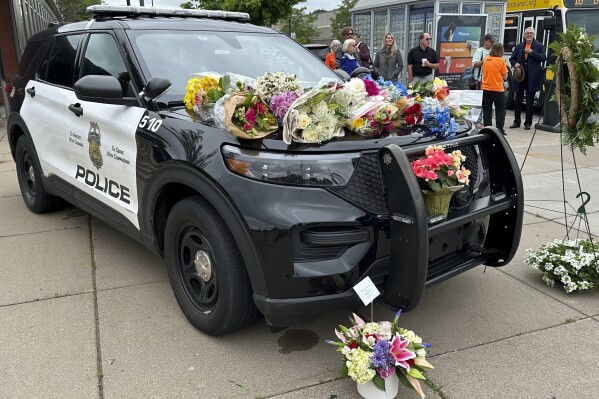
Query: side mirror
[[102, 89], [156, 86], [549, 22]]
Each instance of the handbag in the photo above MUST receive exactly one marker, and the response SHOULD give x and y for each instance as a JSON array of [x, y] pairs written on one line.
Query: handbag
[[474, 82]]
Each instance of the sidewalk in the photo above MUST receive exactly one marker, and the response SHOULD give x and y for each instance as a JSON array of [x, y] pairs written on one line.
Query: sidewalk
[[88, 313]]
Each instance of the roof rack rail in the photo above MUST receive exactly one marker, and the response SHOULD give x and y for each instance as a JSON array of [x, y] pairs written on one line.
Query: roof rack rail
[[115, 11]]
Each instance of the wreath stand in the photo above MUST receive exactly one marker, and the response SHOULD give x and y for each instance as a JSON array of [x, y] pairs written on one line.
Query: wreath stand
[[567, 118]]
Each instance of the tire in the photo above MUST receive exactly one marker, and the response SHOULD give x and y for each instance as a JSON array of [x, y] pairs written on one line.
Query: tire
[[29, 175], [205, 269]]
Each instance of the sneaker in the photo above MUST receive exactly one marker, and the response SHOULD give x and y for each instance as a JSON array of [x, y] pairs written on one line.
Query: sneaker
[[526, 127], [514, 125], [504, 133]]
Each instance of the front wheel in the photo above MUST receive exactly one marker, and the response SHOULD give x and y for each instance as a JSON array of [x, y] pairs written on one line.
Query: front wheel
[[205, 269]]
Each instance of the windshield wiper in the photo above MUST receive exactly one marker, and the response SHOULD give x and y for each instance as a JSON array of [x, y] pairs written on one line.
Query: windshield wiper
[[173, 104]]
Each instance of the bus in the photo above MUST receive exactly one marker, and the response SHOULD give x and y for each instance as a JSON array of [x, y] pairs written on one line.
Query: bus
[[548, 17]]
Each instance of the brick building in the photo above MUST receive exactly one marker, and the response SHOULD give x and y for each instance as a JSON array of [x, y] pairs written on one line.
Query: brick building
[[19, 20]]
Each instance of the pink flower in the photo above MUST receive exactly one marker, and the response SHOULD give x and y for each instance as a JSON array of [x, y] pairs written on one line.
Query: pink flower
[[250, 115], [399, 351], [371, 88]]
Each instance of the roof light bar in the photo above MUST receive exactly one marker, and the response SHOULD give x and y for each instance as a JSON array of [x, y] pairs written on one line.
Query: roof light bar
[[166, 12]]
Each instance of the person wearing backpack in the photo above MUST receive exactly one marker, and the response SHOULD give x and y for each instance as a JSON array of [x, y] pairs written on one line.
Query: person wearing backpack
[[477, 59]]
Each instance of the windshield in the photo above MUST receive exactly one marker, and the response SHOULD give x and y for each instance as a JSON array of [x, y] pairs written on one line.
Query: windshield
[[587, 19], [177, 54]]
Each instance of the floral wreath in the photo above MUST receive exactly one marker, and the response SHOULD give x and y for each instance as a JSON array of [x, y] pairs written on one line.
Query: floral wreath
[[577, 96]]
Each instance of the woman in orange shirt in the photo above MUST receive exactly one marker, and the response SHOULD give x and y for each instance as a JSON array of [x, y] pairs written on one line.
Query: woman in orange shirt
[[331, 60], [494, 74]]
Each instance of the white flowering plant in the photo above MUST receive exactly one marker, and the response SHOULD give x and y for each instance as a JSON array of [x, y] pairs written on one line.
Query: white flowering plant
[[574, 264], [376, 350], [273, 83]]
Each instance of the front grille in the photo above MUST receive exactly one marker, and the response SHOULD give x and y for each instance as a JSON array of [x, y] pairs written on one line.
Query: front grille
[[365, 188]]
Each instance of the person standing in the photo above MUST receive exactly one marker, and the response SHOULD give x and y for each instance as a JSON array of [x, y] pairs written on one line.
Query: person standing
[[494, 74], [422, 59], [477, 61], [331, 59], [363, 54], [529, 55], [348, 61], [346, 33], [388, 62], [479, 56]]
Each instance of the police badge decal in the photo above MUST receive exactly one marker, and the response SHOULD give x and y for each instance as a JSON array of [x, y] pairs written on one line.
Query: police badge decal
[[93, 139]]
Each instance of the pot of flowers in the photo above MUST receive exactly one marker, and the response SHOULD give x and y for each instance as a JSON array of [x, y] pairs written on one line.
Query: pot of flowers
[[439, 175], [380, 355], [573, 264]]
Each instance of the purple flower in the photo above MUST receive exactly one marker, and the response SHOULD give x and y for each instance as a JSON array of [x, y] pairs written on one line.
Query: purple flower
[[280, 103], [382, 360]]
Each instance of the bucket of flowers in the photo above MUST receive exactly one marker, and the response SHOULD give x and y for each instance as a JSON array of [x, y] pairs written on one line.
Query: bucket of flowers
[[573, 264], [379, 355], [439, 175]]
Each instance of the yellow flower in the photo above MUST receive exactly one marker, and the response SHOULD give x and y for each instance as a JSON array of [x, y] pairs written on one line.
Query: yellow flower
[[197, 86], [358, 123]]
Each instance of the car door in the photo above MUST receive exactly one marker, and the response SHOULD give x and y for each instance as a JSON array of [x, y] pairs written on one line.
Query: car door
[[102, 148], [45, 104]]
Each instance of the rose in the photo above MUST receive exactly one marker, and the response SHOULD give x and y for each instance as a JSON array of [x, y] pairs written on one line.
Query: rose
[[310, 135], [304, 121]]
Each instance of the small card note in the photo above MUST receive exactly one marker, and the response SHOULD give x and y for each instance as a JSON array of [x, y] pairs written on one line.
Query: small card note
[[366, 290]]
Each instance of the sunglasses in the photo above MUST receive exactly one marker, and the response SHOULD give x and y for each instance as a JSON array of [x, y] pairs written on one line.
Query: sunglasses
[[529, 33], [428, 39]]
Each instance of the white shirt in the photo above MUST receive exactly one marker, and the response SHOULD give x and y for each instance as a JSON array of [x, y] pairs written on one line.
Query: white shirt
[[479, 55]]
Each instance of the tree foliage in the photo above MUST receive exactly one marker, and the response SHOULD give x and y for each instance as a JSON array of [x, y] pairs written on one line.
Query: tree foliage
[[342, 18], [262, 12], [74, 10], [302, 24]]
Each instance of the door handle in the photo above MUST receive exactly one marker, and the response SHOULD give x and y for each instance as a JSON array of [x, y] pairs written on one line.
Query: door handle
[[76, 109], [31, 91]]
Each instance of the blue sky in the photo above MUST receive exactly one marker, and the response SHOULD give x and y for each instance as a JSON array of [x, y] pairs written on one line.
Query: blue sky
[[310, 5]]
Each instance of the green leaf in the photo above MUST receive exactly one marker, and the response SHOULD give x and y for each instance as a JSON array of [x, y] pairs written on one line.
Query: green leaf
[[378, 382], [224, 82], [343, 371], [403, 379]]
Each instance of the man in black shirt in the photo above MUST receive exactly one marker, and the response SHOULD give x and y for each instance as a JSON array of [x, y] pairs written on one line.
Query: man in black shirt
[[422, 59]]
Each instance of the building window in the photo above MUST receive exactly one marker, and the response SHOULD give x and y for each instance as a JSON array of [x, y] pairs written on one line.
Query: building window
[[362, 25], [380, 28], [449, 8], [397, 26], [471, 8]]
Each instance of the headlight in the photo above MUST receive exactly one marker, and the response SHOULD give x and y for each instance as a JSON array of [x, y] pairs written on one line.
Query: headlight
[[287, 168]]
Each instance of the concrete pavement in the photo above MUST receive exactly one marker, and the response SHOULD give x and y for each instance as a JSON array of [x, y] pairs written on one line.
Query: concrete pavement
[[85, 312]]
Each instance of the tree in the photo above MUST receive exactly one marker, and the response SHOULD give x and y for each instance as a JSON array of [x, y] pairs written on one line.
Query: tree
[[190, 5], [302, 25], [342, 18], [262, 12], [74, 10]]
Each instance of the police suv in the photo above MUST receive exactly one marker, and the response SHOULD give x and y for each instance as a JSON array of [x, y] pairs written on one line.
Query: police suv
[[96, 117]]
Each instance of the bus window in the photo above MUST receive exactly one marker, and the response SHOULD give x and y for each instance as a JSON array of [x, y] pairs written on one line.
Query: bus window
[[510, 39], [587, 19]]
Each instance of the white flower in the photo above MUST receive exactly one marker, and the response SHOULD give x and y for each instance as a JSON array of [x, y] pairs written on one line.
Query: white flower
[[357, 90], [570, 287], [566, 279], [548, 281], [304, 121], [310, 135]]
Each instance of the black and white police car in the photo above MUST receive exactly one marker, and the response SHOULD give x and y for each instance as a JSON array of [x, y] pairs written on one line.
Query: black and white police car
[[96, 117]]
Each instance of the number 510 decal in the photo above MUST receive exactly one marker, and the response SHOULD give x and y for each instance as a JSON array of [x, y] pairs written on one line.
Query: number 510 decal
[[151, 124]]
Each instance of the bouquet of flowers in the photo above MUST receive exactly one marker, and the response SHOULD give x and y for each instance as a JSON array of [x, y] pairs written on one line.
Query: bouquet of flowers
[[373, 352], [390, 90], [437, 169], [437, 117], [317, 116], [247, 116], [573, 264], [372, 119], [273, 83]]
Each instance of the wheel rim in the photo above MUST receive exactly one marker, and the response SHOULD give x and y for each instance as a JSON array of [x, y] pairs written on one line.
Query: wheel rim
[[196, 269], [28, 176]]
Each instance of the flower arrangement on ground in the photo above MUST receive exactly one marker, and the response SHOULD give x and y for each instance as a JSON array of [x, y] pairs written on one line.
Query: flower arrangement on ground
[[577, 96], [438, 169], [574, 264], [373, 352], [247, 116]]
